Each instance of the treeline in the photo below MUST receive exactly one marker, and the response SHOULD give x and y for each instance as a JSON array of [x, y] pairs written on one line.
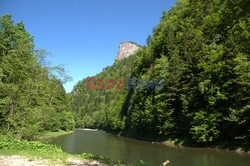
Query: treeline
[[202, 50], [32, 98], [100, 108]]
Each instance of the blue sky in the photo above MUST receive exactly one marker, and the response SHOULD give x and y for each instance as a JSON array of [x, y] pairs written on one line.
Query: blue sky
[[84, 35]]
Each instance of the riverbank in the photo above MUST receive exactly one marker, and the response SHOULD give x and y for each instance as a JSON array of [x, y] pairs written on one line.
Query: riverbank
[[27, 158], [219, 147], [48, 135], [133, 151], [235, 146], [15, 160], [22, 152]]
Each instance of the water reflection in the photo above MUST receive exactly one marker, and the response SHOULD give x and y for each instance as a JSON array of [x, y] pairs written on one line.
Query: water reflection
[[130, 150]]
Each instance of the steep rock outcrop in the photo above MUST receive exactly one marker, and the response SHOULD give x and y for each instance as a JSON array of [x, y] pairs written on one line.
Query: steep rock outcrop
[[126, 49]]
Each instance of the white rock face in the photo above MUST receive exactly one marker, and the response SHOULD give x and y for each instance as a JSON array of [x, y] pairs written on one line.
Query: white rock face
[[126, 49]]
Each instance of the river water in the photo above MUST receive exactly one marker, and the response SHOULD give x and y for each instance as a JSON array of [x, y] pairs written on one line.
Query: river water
[[131, 151]]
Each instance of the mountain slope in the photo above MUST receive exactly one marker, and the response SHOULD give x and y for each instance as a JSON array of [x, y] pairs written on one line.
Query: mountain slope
[[201, 51]]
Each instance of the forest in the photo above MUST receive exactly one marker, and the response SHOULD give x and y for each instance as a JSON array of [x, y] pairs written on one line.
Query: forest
[[201, 50], [32, 97]]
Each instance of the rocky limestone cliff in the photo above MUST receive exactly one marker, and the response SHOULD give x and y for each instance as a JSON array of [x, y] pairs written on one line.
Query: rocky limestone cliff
[[126, 49]]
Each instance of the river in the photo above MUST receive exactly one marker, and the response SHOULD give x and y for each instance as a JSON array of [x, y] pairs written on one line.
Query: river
[[131, 151]]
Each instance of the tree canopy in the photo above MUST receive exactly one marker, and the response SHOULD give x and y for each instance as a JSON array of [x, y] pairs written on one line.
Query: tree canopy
[[32, 100]]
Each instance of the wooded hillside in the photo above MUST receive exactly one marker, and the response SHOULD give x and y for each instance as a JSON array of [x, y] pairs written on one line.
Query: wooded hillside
[[201, 49]]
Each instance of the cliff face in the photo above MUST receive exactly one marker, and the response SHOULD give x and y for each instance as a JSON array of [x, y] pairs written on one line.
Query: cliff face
[[126, 49]]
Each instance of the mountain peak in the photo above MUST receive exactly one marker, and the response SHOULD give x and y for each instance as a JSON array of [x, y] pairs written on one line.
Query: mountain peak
[[126, 49]]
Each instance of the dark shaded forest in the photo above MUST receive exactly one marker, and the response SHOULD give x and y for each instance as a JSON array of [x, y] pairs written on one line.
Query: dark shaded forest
[[201, 49]]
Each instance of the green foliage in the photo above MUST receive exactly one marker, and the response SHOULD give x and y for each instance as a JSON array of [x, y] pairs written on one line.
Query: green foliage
[[37, 149], [100, 108], [32, 98], [13, 144], [201, 50]]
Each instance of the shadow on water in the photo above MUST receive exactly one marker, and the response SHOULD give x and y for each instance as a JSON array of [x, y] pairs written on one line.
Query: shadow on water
[[130, 150]]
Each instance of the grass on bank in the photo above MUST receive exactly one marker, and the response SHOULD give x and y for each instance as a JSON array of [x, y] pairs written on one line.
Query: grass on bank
[[49, 134], [36, 149]]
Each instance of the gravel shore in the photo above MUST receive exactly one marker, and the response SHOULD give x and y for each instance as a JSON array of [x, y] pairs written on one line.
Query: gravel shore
[[15, 160]]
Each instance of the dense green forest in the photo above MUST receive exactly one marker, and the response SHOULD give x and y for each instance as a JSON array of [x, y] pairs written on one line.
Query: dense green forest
[[32, 98], [201, 49], [99, 108]]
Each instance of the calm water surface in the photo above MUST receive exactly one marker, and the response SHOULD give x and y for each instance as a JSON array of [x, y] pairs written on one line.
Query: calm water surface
[[130, 150]]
